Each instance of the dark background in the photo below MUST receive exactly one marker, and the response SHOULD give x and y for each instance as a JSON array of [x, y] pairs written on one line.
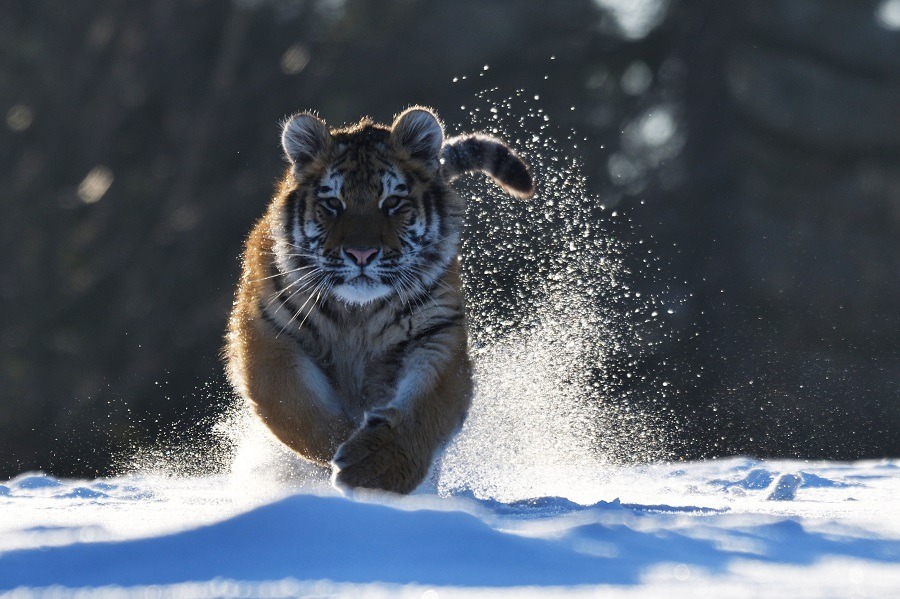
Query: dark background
[[139, 142]]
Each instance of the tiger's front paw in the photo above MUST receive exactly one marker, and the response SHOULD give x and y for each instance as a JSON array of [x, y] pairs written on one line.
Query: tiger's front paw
[[374, 457], [377, 429]]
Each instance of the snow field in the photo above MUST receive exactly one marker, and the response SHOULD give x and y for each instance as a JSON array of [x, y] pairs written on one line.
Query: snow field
[[718, 528]]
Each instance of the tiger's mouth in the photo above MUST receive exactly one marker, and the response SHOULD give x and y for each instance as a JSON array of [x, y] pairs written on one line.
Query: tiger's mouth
[[361, 289], [363, 279]]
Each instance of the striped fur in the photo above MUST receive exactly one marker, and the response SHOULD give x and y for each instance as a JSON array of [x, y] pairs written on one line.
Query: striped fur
[[472, 153], [348, 332]]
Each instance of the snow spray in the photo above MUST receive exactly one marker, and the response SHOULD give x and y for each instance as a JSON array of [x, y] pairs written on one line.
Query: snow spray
[[550, 310]]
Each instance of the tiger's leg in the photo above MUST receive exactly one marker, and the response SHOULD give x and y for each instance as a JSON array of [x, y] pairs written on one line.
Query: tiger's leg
[[394, 448], [287, 390]]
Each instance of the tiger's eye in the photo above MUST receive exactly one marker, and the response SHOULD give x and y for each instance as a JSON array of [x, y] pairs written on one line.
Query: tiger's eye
[[390, 202], [334, 203]]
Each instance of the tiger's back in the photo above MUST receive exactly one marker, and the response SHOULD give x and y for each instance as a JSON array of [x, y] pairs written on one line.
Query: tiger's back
[[348, 331]]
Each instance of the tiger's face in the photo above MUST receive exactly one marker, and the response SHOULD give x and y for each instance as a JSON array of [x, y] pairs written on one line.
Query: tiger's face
[[370, 215]]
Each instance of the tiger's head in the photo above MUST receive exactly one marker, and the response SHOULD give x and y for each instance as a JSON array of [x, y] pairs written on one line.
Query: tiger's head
[[369, 213]]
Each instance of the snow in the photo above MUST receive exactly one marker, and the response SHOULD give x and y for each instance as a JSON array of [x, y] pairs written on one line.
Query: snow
[[736, 528]]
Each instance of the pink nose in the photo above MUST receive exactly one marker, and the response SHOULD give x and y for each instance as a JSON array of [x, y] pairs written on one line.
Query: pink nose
[[362, 255]]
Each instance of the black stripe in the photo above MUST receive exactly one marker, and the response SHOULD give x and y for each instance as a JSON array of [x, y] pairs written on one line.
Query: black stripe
[[436, 328], [511, 171], [287, 301], [304, 313], [327, 310], [477, 148], [416, 240], [295, 335], [415, 302], [295, 205], [450, 154], [405, 310], [440, 192], [392, 323], [430, 255], [502, 157], [427, 207], [395, 356], [381, 304]]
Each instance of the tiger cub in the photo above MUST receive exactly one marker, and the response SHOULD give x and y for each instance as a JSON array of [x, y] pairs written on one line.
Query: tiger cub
[[348, 331]]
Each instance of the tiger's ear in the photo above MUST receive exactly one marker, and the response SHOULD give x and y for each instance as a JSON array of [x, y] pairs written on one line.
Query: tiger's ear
[[418, 131], [303, 138]]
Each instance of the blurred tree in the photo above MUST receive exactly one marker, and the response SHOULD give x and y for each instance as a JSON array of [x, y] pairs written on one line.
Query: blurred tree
[[795, 151]]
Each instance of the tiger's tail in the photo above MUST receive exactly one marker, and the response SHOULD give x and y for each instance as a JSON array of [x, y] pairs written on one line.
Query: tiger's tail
[[471, 153]]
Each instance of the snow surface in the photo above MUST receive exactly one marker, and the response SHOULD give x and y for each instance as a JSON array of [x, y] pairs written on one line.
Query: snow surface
[[727, 528]]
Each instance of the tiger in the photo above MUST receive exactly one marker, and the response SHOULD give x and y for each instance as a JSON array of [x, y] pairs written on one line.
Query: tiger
[[348, 332]]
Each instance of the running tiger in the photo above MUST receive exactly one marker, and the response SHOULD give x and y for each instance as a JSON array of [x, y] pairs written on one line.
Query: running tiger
[[348, 331]]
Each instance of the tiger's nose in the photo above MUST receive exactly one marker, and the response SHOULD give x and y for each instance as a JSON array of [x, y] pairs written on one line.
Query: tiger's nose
[[362, 256]]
